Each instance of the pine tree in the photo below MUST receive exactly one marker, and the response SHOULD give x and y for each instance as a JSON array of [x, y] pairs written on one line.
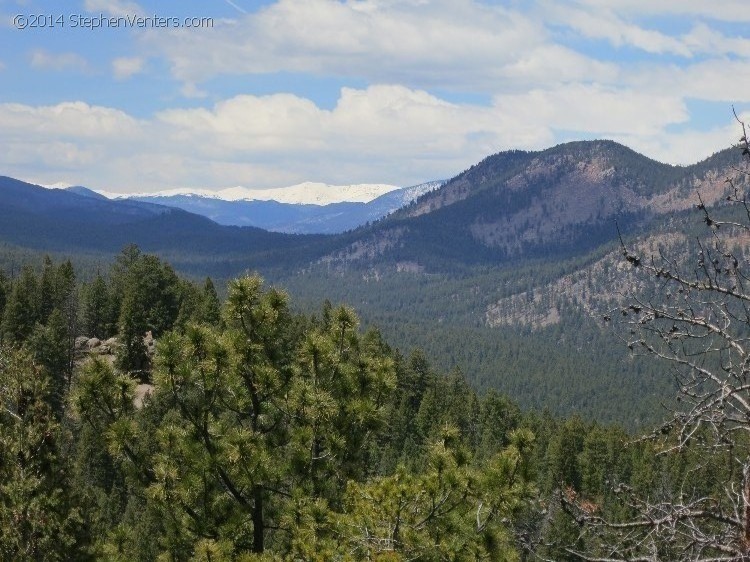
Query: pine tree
[[22, 309], [4, 294], [38, 516], [132, 355], [210, 306], [49, 346], [47, 290], [95, 306]]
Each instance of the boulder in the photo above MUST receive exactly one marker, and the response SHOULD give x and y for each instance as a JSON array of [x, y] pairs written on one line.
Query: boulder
[[109, 346], [141, 392]]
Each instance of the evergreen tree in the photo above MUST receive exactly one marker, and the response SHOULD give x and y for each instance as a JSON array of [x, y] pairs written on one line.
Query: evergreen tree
[[38, 517], [22, 309], [221, 468], [96, 304], [451, 510], [49, 346], [132, 354], [149, 301], [4, 294], [47, 290], [210, 305]]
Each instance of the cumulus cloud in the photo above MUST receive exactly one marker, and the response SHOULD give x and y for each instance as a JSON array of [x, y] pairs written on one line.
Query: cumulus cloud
[[536, 66], [74, 120], [722, 80], [685, 147], [454, 44], [594, 110], [125, 67], [383, 133], [46, 60]]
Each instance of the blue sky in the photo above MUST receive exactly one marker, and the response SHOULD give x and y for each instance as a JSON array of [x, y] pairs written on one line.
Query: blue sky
[[368, 91]]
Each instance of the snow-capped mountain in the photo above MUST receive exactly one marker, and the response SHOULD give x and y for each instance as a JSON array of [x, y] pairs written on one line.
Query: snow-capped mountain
[[301, 209], [307, 193]]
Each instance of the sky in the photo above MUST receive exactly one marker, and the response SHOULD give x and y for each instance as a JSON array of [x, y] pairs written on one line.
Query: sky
[[138, 95]]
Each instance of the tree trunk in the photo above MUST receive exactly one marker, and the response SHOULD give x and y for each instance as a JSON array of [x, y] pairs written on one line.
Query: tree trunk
[[258, 528]]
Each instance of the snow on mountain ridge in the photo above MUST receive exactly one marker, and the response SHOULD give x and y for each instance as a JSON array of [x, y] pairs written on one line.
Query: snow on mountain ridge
[[307, 193]]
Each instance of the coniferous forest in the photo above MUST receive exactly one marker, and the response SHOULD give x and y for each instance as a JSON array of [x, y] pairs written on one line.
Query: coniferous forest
[[144, 417], [147, 415]]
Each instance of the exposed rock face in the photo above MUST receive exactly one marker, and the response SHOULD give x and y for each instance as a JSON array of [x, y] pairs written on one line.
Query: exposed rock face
[[86, 347]]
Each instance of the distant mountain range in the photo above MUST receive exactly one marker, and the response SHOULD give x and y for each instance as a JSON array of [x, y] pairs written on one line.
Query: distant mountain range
[[512, 206], [77, 220], [308, 208], [292, 213], [307, 193], [500, 271]]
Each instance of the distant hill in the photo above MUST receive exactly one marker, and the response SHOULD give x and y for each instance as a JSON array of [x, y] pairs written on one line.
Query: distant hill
[[85, 191], [63, 220], [551, 204]]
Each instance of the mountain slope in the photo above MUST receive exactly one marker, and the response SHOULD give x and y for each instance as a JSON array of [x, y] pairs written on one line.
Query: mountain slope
[[549, 204]]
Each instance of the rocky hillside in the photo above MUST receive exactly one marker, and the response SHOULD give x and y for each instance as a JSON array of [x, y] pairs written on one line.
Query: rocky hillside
[[558, 202]]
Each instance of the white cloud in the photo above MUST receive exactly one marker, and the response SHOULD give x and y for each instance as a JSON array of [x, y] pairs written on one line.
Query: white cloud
[[57, 156], [536, 68], [71, 120], [383, 133], [457, 44], [726, 10], [115, 8], [448, 44], [594, 110], [685, 147], [603, 24], [125, 67], [191, 90], [721, 80], [58, 61], [704, 39]]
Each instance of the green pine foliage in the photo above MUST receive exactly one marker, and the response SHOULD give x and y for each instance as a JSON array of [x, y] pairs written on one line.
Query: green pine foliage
[[40, 518], [258, 433]]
